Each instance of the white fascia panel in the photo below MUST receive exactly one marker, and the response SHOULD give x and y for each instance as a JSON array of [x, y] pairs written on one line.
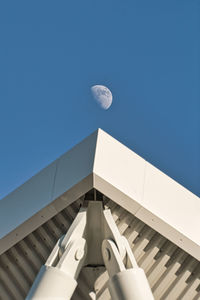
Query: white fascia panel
[[115, 194], [102, 162], [42, 189], [46, 213], [75, 165], [172, 203], [26, 200], [147, 193], [119, 166]]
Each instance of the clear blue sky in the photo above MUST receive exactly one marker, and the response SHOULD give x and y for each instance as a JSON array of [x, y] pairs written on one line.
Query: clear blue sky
[[146, 52]]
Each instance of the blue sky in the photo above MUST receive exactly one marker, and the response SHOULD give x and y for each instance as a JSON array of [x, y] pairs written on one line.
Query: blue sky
[[146, 52]]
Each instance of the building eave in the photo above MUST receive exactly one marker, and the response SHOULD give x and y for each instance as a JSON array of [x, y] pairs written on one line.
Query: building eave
[[103, 163]]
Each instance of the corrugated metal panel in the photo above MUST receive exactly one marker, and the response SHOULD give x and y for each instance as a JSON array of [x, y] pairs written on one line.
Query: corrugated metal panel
[[21, 263], [172, 273]]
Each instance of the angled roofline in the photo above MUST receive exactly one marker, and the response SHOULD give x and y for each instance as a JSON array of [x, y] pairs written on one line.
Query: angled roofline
[[103, 163]]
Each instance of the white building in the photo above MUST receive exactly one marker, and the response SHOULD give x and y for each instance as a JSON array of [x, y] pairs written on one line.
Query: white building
[[158, 216]]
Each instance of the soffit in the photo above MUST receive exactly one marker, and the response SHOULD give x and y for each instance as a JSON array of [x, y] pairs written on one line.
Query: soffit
[[171, 272]]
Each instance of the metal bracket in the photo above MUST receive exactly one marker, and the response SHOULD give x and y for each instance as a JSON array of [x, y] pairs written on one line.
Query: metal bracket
[[93, 239]]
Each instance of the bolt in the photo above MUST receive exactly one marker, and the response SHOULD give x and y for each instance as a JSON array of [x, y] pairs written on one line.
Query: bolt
[[79, 254]]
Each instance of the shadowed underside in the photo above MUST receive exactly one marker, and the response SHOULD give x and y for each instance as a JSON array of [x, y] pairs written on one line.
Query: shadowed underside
[[171, 272]]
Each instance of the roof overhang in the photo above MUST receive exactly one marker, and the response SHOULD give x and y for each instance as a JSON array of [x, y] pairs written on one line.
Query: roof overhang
[[103, 163]]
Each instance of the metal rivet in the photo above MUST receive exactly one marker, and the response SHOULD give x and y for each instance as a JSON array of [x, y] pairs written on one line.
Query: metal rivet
[[79, 254]]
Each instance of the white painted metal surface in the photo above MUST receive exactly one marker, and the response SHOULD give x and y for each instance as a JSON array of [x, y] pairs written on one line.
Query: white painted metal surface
[[171, 214], [46, 186], [126, 280], [147, 193], [57, 279], [172, 273], [105, 164]]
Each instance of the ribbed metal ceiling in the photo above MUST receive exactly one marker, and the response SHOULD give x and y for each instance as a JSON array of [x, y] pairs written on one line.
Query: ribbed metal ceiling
[[172, 273]]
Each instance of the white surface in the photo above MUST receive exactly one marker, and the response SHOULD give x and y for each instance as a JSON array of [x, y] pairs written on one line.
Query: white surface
[[119, 166], [148, 193], [121, 175], [43, 188], [170, 272], [130, 284], [52, 283], [75, 165], [26, 200], [172, 202]]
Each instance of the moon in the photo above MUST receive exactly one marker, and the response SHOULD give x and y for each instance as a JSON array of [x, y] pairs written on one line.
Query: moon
[[102, 95]]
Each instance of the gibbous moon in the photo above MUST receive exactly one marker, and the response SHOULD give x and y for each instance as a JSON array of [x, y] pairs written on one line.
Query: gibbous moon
[[102, 95]]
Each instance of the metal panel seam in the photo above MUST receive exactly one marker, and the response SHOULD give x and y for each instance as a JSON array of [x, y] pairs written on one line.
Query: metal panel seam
[[54, 179]]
